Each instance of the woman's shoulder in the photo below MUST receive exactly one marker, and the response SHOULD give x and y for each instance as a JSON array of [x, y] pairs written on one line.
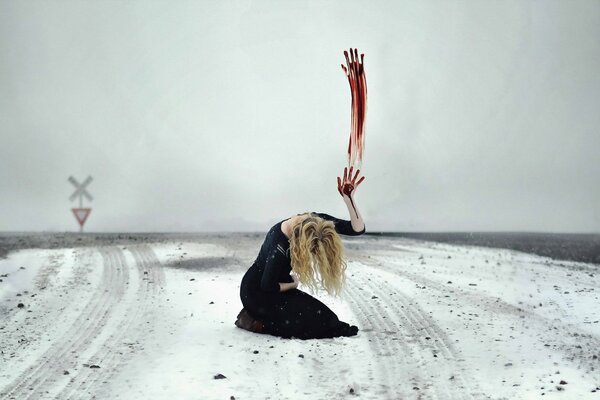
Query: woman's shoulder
[[276, 235]]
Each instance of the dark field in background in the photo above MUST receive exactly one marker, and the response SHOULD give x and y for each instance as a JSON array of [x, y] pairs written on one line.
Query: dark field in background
[[55, 240], [560, 246], [574, 247]]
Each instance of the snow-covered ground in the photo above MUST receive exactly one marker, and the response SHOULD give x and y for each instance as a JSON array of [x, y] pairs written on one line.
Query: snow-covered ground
[[155, 320]]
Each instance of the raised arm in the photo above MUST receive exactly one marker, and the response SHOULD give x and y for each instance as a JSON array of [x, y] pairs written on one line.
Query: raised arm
[[347, 187], [342, 226]]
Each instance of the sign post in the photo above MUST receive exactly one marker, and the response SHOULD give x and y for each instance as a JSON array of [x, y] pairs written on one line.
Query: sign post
[[81, 213]]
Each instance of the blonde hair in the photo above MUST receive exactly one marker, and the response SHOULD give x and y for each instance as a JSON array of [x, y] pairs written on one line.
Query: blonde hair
[[317, 254]]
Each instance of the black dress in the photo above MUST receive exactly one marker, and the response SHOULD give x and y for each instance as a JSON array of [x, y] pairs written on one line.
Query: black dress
[[292, 313]]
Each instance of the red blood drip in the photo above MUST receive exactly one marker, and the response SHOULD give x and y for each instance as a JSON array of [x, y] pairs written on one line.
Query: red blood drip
[[355, 72]]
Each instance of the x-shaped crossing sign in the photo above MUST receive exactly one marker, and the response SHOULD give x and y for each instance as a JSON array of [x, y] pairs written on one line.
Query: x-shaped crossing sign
[[80, 188]]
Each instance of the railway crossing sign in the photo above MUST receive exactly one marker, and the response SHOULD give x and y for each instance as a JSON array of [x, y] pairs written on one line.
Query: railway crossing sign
[[81, 214], [80, 189]]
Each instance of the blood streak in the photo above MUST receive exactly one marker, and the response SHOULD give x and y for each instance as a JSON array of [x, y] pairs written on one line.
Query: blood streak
[[355, 72]]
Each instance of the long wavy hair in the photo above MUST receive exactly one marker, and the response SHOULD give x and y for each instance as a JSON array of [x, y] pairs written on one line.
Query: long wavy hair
[[317, 254]]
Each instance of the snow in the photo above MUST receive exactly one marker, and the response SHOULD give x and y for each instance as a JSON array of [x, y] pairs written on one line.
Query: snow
[[437, 321]]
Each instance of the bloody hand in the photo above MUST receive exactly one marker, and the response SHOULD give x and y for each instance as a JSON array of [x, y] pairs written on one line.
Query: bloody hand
[[348, 184]]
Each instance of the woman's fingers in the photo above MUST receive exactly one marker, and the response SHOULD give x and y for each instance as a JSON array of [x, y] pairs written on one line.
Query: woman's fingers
[[347, 59], [348, 183], [356, 175]]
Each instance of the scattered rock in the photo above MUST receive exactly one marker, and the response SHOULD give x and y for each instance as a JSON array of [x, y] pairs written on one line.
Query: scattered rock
[[374, 297], [452, 378], [563, 382], [416, 388], [22, 268], [509, 364], [65, 372], [232, 398], [351, 391], [212, 302], [449, 282], [559, 388], [472, 284], [255, 351], [301, 355], [94, 366], [193, 279], [219, 376], [20, 305]]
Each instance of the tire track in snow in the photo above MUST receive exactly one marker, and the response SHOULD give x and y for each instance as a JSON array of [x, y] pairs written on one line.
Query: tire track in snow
[[415, 323], [366, 317], [384, 348], [31, 329], [110, 355], [49, 270], [431, 339], [395, 325], [114, 260], [62, 355], [569, 339], [415, 314]]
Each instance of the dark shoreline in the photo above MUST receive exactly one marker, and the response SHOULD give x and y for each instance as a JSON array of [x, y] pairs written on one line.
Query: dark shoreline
[[581, 247]]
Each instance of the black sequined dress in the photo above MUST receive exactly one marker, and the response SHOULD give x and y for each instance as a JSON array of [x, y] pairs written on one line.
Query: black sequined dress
[[292, 313]]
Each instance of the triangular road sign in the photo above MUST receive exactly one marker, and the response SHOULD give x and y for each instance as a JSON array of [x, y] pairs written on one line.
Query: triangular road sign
[[81, 214]]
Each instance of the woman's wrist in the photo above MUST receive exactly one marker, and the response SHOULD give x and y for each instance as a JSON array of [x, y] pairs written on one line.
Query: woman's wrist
[[285, 286]]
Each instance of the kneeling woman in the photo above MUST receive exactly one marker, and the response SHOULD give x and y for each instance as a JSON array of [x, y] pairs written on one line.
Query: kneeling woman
[[308, 246]]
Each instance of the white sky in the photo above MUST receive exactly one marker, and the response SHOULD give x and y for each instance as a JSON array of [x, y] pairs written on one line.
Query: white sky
[[232, 115]]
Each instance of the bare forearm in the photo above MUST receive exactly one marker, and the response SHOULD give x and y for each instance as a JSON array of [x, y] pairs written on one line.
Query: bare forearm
[[347, 187], [355, 217], [285, 286]]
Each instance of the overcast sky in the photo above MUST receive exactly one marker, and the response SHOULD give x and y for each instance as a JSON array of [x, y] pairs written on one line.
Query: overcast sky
[[233, 115]]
